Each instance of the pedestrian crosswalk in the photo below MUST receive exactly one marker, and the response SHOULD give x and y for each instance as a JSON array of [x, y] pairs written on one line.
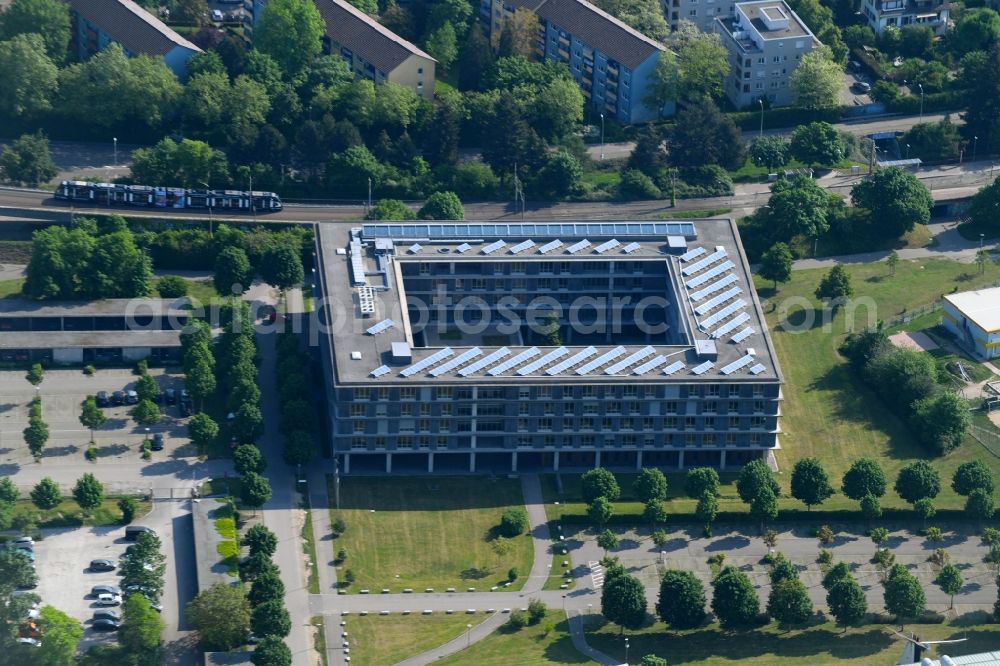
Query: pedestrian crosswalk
[[596, 574]]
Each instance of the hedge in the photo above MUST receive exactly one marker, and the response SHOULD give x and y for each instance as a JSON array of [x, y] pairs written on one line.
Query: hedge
[[787, 117]]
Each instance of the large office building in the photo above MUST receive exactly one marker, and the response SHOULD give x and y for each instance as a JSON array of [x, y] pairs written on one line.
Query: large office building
[[702, 13], [611, 61], [974, 318], [882, 14], [373, 51], [766, 41], [483, 347], [99, 23]]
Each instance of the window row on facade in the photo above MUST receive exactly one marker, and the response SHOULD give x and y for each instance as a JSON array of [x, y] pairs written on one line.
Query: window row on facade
[[534, 408], [543, 424], [590, 391], [443, 442]]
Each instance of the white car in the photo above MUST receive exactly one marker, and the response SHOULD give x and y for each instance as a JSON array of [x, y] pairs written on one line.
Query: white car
[[109, 600], [34, 642]]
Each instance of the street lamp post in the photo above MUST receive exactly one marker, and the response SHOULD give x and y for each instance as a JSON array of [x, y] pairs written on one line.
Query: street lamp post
[[975, 144], [602, 136], [921, 86], [468, 633], [626, 651], [907, 151], [981, 236], [208, 200], [114, 139], [761, 102]]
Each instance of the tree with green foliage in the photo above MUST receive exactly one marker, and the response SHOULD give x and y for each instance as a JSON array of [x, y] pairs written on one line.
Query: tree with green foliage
[[769, 151], [864, 477], [702, 66], [600, 510], [634, 185], [607, 540], [776, 264], [248, 458], [764, 505], [652, 660], [91, 416], [706, 510], [442, 45], [291, 32], [28, 76], [870, 507], [46, 494], [949, 579], [36, 435], [623, 601], [172, 286], [255, 490], [8, 491], [701, 480], [202, 430], [817, 80], [442, 206], [896, 200], [797, 207], [299, 448], [704, 135], [62, 634], [146, 413], [186, 163], [270, 619], [390, 209], [835, 287], [754, 476], [650, 484], [985, 203], [734, 600], [904, 596], [142, 627], [654, 512], [817, 144], [810, 482], [789, 602], [599, 482], [88, 492], [221, 616], [233, 273], [147, 388], [281, 266], [514, 522], [271, 651], [980, 505], [918, 481], [259, 539], [474, 57], [681, 604], [27, 161], [940, 421], [560, 177], [934, 141], [924, 508], [48, 19], [846, 601], [976, 30], [782, 569], [129, 507]]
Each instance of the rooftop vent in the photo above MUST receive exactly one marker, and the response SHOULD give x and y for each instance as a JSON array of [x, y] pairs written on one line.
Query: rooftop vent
[[355, 356], [401, 352], [705, 349]]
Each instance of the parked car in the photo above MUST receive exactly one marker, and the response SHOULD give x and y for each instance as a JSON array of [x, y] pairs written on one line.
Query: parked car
[[131, 398], [33, 642], [861, 87], [109, 600], [102, 565], [132, 532], [185, 408], [217, 16], [23, 541], [104, 625], [98, 590], [103, 399], [157, 444], [107, 614], [118, 398], [170, 396]]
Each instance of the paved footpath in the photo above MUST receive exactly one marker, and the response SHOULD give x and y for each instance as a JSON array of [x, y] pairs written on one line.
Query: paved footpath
[[538, 528]]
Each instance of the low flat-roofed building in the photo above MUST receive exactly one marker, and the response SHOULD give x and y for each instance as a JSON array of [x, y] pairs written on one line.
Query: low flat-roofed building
[[98, 23], [974, 317], [505, 347]]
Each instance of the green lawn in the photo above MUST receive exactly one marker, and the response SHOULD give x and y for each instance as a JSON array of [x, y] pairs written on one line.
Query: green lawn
[[557, 573], [428, 532], [823, 643], [533, 646], [378, 640], [68, 514], [309, 540], [11, 288], [201, 291]]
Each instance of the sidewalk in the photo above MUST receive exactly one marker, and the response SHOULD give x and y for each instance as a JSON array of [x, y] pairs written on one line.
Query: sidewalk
[[579, 636], [538, 528]]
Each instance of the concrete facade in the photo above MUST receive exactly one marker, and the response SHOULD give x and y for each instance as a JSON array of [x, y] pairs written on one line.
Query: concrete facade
[[974, 318], [687, 377], [766, 41], [702, 13], [882, 14]]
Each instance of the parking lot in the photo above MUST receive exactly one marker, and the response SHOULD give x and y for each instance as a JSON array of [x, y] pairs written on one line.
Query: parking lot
[[62, 392]]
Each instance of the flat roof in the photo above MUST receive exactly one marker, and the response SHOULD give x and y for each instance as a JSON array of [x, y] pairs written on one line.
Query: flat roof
[[982, 307], [754, 12], [711, 283], [88, 339], [139, 307]]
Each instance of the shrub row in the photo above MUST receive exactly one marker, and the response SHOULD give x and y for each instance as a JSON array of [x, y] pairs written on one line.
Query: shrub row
[[299, 422]]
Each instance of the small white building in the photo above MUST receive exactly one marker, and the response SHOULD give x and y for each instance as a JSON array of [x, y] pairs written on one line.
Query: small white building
[[974, 317]]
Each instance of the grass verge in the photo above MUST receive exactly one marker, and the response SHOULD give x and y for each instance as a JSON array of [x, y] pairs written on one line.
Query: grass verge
[[545, 644], [229, 549], [319, 638], [11, 288], [428, 532], [821, 643], [556, 573], [309, 540], [68, 514], [385, 640], [694, 214]]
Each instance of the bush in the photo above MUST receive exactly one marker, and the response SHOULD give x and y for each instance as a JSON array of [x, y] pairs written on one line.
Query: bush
[[91, 453], [825, 556], [991, 536], [536, 611], [172, 286], [512, 574], [513, 522], [704, 181], [338, 526], [89, 369], [128, 506], [518, 620], [637, 185]]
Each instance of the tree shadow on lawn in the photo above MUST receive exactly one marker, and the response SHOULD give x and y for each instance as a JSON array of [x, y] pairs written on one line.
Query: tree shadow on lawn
[[429, 493], [795, 321]]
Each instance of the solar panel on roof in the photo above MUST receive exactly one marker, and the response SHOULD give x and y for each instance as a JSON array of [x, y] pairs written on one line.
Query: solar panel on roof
[[632, 359], [464, 247], [607, 357], [757, 369], [545, 360], [521, 247], [576, 247], [457, 361], [699, 280], [548, 247], [714, 287], [418, 231], [715, 302], [650, 365], [673, 367], [738, 364], [416, 247], [571, 361], [706, 262], [727, 311], [483, 362], [703, 368], [604, 247], [512, 362], [693, 254], [731, 325], [493, 247], [631, 247], [379, 327], [436, 357], [743, 335], [379, 371]]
